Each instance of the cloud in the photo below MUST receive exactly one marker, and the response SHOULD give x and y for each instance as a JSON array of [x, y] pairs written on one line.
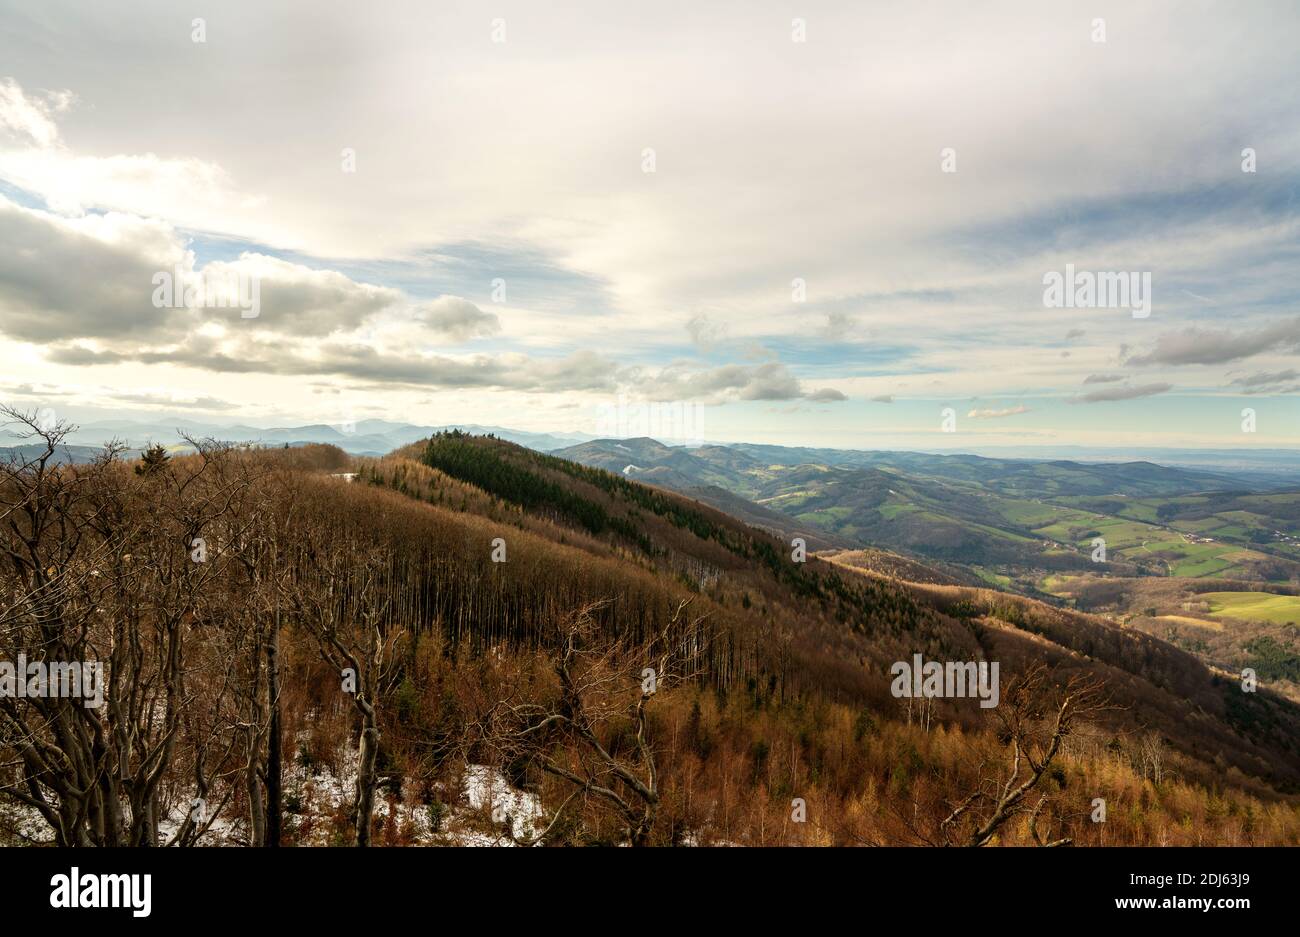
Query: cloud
[[86, 288], [1103, 378], [195, 192], [704, 332], [1121, 393], [1267, 377], [29, 390], [458, 318], [167, 400], [883, 398], [770, 380], [311, 321], [827, 395], [301, 301], [64, 278], [697, 239], [1217, 346], [93, 277], [838, 325], [583, 370], [30, 118], [1269, 382], [190, 192], [996, 414]]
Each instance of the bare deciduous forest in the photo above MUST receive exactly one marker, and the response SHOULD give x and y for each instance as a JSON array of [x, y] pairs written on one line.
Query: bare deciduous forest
[[466, 641]]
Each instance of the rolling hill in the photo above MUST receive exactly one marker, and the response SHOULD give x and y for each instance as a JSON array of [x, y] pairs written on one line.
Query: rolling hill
[[1011, 522]]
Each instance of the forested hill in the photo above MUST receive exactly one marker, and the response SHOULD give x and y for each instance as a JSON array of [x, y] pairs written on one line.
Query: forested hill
[[844, 638], [363, 646]]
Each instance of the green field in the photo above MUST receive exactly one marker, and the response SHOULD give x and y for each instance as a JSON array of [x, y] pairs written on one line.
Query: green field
[[988, 575], [1027, 513], [1254, 606], [1171, 547]]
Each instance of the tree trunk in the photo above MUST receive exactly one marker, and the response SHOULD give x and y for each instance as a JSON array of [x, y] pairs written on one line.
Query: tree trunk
[[256, 810], [366, 779], [274, 748]]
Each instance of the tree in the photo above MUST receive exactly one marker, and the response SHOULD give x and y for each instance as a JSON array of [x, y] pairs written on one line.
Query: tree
[[1035, 719], [600, 684], [1149, 757], [152, 460], [341, 604], [99, 576]]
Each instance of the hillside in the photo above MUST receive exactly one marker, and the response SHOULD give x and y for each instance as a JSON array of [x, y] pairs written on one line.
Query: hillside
[[1109, 648], [1011, 522], [483, 594]]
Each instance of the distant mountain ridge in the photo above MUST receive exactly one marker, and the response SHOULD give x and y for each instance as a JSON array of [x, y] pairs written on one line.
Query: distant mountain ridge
[[364, 437], [745, 467], [1220, 468]]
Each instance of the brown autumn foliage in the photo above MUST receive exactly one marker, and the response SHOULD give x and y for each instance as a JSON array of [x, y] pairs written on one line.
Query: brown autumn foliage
[[261, 618]]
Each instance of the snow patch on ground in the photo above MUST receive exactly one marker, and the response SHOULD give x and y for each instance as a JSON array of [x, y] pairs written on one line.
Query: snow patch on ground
[[26, 823], [487, 788], [316, 796]]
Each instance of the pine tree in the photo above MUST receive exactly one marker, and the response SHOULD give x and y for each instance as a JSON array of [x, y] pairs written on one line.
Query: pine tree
[[152, 460]]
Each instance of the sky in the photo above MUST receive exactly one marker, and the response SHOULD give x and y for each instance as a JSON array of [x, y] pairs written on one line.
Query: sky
[[801, 223]]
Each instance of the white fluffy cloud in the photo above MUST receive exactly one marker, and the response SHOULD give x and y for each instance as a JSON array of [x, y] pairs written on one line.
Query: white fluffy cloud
[[94, 277], [64, 278], [85, 287]]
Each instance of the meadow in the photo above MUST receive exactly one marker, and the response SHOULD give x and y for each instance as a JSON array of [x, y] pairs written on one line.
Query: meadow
[[1255, 606]]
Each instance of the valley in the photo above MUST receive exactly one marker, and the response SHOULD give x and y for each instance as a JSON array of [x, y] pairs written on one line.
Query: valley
[[1014, 523]]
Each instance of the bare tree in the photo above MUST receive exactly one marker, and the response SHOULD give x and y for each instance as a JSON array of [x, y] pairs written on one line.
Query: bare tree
[[344, 609], [1149, 758], [97, 572], [601, 684], [1035, 721]]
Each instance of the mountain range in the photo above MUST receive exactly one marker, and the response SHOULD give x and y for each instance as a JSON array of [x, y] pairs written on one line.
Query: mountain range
[[364, 437]]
